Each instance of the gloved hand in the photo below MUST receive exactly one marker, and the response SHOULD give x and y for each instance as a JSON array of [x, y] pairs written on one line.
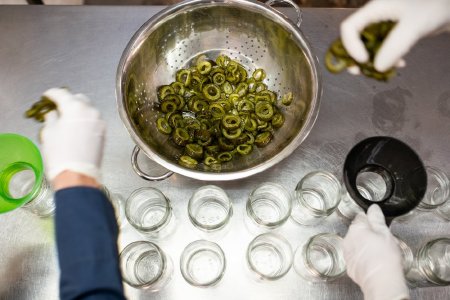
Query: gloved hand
[[73, 137], [415, 19], [373, 257]]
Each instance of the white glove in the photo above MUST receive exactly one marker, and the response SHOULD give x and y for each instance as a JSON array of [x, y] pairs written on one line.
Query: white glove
[[373, 257], [72, 137], [416, 19]]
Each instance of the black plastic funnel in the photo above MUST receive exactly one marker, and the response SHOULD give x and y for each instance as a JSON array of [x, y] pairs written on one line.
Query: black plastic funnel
[[401, 168]]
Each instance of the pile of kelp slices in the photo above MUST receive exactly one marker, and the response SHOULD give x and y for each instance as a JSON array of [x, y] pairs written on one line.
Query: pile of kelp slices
[[215, 111], [337, 59]]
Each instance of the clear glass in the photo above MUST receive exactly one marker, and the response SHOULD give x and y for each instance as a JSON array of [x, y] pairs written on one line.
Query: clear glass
[[437, 193], [209, 208], [407, 255], [431, 265], [316, 197], [43, 204], [321, 258], [347, 207], [21, 183], [149, 211], [202, 263], [269, 256], [268, 206], [145, 265], [117, 204], [443, 211], [372, 186], [438, 188]]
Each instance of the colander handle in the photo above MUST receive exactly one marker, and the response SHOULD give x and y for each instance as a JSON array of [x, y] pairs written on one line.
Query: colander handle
[[290, 2], [141, 173]]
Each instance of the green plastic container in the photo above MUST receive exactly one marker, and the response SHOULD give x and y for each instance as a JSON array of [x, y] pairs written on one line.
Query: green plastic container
[[21, 171]]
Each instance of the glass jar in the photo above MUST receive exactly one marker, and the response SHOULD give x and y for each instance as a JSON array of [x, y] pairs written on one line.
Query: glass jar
[[268, 206], [149, 211], [431, 265], [321, 258], [209, 208], [145, 265], [317, 195]]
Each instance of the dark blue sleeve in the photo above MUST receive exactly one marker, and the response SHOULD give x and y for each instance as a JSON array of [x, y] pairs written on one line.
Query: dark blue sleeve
[[86, 236]]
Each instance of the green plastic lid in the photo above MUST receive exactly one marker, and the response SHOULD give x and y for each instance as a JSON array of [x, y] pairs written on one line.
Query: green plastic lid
[[21, 171]]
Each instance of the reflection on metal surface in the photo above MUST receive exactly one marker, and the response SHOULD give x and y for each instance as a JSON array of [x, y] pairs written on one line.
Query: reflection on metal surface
[[388, 114], [444, 104], [28, 265]]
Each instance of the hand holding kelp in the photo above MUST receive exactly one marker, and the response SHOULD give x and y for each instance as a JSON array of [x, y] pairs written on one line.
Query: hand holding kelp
[[337, 58]]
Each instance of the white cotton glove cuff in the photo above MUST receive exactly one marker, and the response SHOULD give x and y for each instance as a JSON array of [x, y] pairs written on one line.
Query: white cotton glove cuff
[[388, 286], [373, 258], [73, 138], [383, 281]]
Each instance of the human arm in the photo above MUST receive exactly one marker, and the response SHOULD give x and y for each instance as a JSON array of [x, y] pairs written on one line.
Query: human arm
[[86, 236], [373, 257], [415, 19], [68, 179], [86, 230]]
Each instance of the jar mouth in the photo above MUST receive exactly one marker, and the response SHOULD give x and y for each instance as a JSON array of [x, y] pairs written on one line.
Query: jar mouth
[[7, 176], [161, 271], [197, 248], [252, 214], [314, 210], [256, 219], [284, 266], [153, 228], [325, 210], [227, 208], [427, 266], [439, 194], [329, 273]]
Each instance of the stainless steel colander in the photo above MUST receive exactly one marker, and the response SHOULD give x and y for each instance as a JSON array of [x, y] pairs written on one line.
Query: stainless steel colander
[[250, 32]]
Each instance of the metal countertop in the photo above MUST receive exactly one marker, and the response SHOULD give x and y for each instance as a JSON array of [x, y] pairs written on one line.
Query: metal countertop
[[80, 47]]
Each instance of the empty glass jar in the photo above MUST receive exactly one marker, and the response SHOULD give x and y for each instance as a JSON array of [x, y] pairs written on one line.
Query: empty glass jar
[[149, 211], [321, 258], [268, 206], [269, 256], [316, 197], [437, 193], [347, 207], [431, 265], [209, 208], [145, 265], [202, 263]]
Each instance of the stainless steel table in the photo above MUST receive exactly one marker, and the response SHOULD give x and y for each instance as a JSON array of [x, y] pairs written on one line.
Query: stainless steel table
[[79, 47]]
